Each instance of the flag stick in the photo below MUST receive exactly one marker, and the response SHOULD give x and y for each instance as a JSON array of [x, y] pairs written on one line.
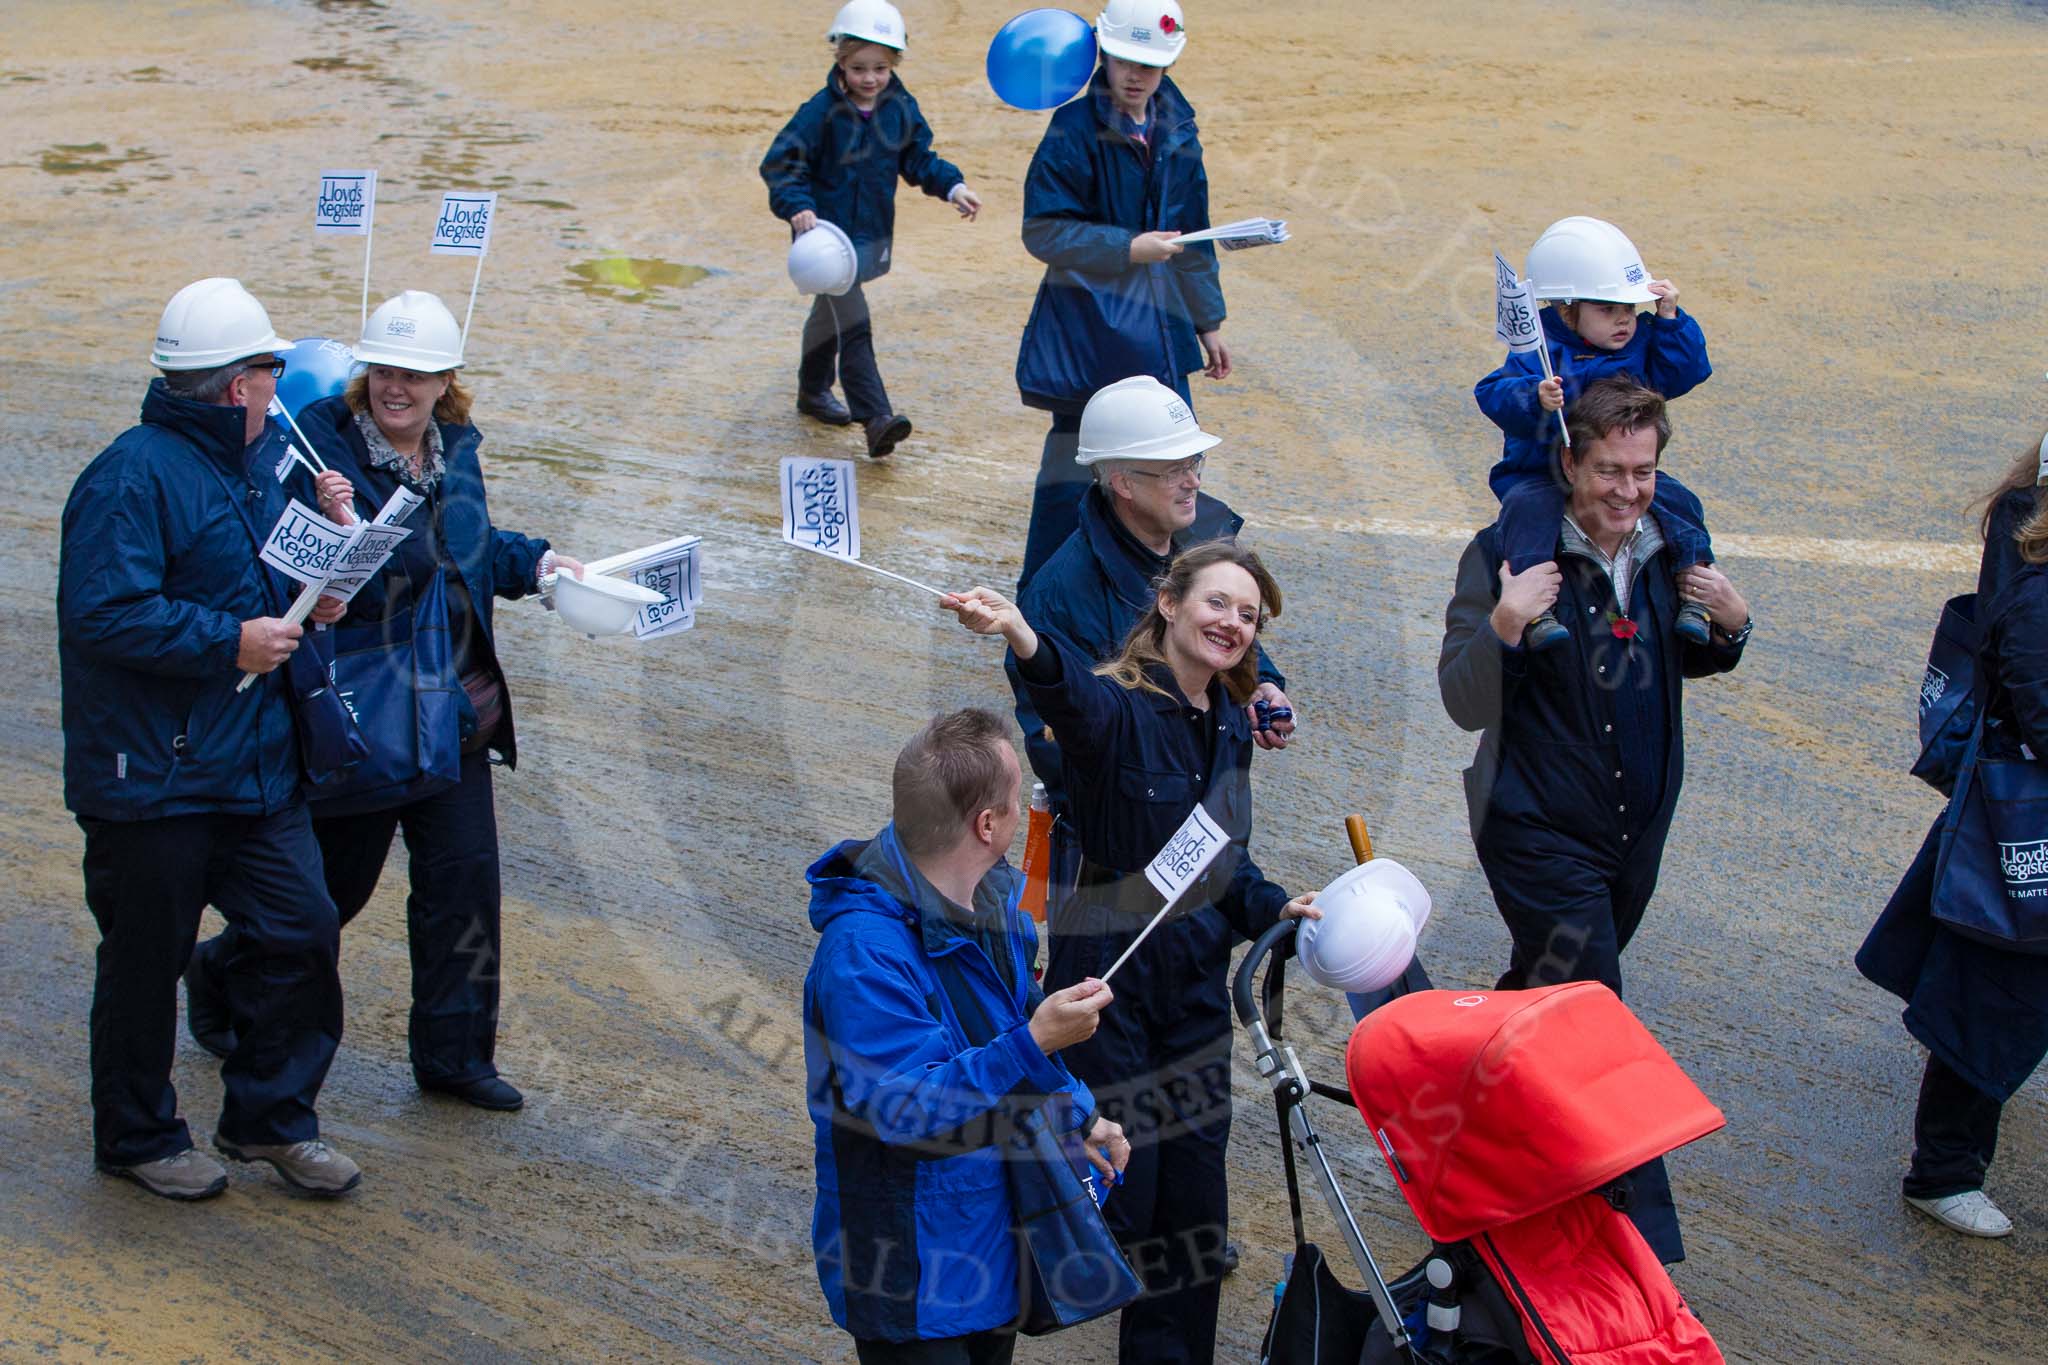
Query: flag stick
[[863, 564], [474, 280], [1156, 919], [318, 466], [369, 241], [302, 607], [1543, 354]]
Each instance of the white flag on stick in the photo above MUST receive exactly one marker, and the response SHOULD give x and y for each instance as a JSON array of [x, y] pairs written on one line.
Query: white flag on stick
[[820, 507], [464, 225], [368, 546], [1173, 870], [1518, 322], [304, 544], [347, 205]]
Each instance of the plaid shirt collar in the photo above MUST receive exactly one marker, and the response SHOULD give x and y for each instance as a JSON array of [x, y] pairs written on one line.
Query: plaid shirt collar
[[1635, 550]]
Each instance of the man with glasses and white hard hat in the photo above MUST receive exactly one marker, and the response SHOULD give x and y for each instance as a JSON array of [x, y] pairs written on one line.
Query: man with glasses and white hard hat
[[189, 791]]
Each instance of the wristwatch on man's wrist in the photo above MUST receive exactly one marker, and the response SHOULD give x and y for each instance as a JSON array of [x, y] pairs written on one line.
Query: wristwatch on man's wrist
[[547, 566], [1736, 637]]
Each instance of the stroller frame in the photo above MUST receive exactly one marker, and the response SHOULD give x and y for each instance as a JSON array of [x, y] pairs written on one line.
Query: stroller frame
[[1282, 1069]]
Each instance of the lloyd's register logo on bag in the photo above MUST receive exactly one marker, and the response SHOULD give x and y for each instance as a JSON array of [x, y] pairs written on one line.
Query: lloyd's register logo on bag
[[1932, 686], [2025, 867]]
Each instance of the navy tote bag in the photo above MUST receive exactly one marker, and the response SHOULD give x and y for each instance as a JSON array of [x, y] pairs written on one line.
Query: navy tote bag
[[397, 678]]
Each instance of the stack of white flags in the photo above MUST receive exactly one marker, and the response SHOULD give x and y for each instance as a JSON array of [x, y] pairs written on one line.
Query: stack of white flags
[[1241, 234]]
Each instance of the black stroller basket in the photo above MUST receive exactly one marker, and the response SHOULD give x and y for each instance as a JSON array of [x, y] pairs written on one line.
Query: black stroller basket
[[1446, 1311]]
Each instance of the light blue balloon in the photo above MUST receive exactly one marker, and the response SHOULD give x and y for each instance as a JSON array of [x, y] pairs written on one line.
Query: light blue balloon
[[314, 368], [1041, 59]]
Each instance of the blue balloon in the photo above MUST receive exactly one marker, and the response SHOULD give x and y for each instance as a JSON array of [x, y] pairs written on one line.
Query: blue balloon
[[1041, 59], [314, 368]]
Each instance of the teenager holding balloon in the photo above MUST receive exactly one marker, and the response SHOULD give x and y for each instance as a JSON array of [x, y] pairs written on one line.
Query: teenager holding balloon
[[1143, 739], [1117, 176]]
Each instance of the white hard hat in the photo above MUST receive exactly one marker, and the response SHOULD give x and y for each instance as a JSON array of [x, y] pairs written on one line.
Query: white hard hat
[[823, 261], [414, 331], [1149, 32], [598, 604], [1140, 419], [210, 323], [1587, 258], [1372, 916], [872, 21]]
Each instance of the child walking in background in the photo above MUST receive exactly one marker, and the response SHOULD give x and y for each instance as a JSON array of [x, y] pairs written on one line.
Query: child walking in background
[[1594, 278], [837, 160]]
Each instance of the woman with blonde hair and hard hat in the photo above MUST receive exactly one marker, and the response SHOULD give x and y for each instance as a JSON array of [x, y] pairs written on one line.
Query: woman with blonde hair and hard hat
[[403, 422], [1117, 176], [1144, 739]]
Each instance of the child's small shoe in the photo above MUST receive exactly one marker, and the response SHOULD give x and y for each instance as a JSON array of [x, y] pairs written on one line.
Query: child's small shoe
[[1544, 632], [885, 432], [1693, 624], [823, 407]]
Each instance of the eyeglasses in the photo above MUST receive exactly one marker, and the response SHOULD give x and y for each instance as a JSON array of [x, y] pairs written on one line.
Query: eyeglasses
[[1175, 472], [276, 367]]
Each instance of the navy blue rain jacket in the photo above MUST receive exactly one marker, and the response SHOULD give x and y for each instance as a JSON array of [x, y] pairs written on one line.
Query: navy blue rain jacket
[[843, 167], [159, 568], [1136, 763], [912, 1227], [1669, 355], [1549, 774], [492, 563], [1981, 1009], [1090, 594], [1098, 318]]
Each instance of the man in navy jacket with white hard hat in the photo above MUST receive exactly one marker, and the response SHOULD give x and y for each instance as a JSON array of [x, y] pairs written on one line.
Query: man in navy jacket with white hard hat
[[188, 790]]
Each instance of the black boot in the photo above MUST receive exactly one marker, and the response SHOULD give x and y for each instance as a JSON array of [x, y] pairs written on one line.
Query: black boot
[[823, 407], [885, 432], [1543, 632], [206, 1002]]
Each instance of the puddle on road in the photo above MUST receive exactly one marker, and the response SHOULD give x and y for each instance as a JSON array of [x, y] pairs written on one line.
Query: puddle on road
[[94, 159], [631, 279]]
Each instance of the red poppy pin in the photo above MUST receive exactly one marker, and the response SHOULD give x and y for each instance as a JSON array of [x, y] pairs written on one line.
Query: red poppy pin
[[1168, 25], [1622, 626]]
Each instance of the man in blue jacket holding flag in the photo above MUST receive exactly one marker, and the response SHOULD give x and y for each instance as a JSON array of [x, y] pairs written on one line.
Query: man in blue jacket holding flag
[[926, 1040], [188, 789]]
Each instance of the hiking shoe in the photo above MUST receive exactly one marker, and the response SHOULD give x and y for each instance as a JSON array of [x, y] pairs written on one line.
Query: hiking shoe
[[1971, 1213], [1543, 632], [885, 432], [1693, 623], [311, 1165], [487, 1092], [206, 1006], [189, 1175], [823, 407]]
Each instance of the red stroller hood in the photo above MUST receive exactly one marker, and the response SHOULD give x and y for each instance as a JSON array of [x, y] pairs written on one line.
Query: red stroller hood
[[1491, 1106]]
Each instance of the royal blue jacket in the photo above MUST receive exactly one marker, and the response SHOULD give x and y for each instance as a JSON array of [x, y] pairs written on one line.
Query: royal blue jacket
[[1090, 594], [912, 1228], [158, 569], [843, 167], [453, 529], [1090, 190], [1667, 354]]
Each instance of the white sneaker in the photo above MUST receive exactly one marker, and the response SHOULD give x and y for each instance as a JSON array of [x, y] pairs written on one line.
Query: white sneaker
[[1971, 1213]]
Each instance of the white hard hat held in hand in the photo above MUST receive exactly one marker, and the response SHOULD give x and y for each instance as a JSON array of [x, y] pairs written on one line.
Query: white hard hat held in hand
[[414, 331], [823, 261], [1140, 419], [1587, 259], [1372, 916], [872, 21], [1149, 32], [210, 323]]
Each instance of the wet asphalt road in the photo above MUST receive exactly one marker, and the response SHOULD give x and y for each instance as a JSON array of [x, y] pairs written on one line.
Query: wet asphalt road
[[1846, 194]]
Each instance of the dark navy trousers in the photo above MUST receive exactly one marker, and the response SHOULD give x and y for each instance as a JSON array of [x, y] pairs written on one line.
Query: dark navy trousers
[[451, 917], [1159, 1065], [1955, 1134], [1533, 509], [146, 883], [839, 338]]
